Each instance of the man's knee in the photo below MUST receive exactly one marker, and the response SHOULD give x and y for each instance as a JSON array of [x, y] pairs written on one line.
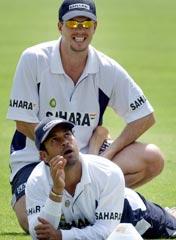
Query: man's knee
[[101, 132], [154, 160], [140, 163], [20, 211]]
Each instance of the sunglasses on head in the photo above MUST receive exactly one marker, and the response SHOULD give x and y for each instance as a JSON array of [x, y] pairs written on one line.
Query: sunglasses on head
[[73, 24]]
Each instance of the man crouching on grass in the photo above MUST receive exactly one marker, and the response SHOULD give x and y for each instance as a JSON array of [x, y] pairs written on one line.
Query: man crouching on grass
[[79, 196]]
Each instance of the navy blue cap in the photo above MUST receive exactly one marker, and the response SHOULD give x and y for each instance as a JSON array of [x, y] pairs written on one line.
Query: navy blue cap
[[75, 8], [45, 126]]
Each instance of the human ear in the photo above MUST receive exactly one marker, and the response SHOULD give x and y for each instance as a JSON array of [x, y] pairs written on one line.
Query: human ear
[[59, 25], [43, 156], [95, 26]]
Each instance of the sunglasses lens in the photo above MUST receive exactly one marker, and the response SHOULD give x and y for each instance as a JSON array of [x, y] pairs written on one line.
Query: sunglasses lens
[[75, 24], [72, 24], [87, 24]]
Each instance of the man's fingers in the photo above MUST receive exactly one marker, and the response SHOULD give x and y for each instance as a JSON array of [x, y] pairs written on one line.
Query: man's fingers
[[62, 163], [57, 164], [42, 224], [58, 159], [44, 230], [42, 220], [42, 235]]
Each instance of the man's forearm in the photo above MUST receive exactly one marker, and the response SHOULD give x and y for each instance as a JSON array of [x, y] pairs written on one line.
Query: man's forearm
[[130, 133], [26, 128], [97, 139]]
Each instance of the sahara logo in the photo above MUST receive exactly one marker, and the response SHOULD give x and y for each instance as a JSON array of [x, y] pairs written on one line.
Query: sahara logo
[[138, 102], [34, 210], [21, 104], [79, 5], [108, 215], [78, 118]]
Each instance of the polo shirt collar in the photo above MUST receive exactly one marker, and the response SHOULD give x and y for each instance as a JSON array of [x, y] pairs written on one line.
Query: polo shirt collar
[[85, 178], [92, 65], [56, 63]]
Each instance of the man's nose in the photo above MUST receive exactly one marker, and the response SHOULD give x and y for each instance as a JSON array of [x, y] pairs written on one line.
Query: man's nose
[[65, 141], [80, 28]]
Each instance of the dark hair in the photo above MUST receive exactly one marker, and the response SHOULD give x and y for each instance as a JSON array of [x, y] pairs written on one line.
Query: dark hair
[[42, 147]]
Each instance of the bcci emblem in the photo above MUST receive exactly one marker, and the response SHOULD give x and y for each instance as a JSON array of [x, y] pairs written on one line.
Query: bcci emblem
[[52, 103], [67, 203]]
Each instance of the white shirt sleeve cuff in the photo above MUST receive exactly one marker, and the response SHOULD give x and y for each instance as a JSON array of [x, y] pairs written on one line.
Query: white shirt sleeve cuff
[[67, 234], [53, 208]]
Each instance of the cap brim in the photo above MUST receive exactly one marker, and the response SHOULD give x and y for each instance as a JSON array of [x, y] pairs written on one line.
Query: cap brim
[[77, 13], [67, 124]]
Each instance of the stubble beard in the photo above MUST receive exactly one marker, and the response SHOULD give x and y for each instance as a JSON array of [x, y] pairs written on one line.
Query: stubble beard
[[78, 50], [72, 160]]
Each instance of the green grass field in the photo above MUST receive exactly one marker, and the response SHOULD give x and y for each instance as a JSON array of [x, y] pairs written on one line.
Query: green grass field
[[140, 35]]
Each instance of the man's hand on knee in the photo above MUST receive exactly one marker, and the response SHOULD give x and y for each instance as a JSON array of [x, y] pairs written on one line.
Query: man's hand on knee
[[99, 135]]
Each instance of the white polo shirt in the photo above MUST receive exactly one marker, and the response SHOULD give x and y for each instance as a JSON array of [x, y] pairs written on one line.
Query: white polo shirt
[[96, 206], [94, 210], [41, 88]]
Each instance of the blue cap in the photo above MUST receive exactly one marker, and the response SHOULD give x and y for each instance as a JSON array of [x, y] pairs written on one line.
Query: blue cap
[[75, 8], [45, 126]]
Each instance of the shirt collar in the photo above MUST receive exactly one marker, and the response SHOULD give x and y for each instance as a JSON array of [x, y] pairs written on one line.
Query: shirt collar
[[85, 178], [92, 65], [56, 63]]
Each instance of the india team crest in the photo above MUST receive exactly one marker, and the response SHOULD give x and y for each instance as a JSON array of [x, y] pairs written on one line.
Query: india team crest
[[52, 103]]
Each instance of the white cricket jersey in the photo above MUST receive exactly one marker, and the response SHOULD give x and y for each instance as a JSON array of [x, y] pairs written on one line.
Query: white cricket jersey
[[94, 210], [41, 88]]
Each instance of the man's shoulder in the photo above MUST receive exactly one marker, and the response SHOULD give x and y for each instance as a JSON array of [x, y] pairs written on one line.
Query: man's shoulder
[[102, 57], [100, 164], [39, 182], [41, 48], [39, 173], [107, 65], [101, 172]]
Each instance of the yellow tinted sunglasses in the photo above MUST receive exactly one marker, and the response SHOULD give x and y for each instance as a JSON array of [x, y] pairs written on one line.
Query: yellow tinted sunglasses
[[75, 24]]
